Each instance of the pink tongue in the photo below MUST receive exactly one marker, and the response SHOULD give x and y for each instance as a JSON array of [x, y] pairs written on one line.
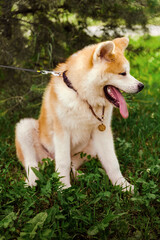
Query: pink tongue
[[122, 102]]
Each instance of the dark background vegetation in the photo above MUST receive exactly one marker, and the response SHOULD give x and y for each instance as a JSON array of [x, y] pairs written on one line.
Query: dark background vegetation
[[38, 34], [43, 33]]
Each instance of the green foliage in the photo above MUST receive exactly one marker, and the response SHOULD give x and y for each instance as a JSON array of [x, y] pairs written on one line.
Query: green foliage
[[32, 226], [44, 33]]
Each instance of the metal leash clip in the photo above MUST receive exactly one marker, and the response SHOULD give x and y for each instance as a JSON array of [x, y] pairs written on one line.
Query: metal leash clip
[[58, 74]]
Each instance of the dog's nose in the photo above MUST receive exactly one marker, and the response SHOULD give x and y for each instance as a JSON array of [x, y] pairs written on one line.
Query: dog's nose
[[140, 87]]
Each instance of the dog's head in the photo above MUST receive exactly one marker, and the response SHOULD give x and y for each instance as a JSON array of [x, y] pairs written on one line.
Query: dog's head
[[110, 73]]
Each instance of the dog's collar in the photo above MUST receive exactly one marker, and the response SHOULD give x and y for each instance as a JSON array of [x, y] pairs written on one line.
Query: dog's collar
[[67, 82], [101, 127]]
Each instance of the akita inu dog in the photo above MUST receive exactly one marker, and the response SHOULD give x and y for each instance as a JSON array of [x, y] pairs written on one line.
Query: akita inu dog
[[76, 113]]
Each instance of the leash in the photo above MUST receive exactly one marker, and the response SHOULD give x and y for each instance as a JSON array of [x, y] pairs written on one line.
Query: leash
[[54, 73]]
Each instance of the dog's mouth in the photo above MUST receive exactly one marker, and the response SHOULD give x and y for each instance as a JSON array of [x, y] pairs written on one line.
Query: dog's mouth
[[114, 96]]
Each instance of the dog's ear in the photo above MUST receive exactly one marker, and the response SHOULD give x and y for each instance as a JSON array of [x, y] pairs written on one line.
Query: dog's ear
[[104, 51], [121, 43]]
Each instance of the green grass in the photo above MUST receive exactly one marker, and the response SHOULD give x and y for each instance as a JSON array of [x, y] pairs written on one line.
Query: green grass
[[92, 208]]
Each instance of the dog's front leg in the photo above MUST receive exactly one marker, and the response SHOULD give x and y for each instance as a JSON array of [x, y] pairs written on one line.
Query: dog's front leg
[[103, 143], [62, 156]]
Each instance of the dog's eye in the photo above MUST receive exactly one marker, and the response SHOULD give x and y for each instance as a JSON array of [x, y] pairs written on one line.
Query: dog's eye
[[123, 73]]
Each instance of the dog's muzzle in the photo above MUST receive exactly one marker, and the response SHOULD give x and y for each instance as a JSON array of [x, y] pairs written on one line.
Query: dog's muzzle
[[140, 87]]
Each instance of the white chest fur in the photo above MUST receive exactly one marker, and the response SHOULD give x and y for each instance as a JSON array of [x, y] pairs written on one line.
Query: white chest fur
[[78, 119]]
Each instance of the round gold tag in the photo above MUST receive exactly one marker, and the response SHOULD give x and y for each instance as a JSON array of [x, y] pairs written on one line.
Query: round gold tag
[[102, 127]]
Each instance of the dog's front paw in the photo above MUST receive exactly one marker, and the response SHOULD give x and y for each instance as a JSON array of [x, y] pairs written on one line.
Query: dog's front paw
[[65, 186], [65, 182], [31, 180], [125, 185]]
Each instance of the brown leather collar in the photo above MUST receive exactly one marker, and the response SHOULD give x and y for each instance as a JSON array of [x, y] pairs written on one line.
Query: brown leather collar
[[67, 82]]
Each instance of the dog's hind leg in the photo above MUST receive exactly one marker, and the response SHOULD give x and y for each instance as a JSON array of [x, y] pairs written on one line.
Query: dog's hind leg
[[28, 147], [77, 161]]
